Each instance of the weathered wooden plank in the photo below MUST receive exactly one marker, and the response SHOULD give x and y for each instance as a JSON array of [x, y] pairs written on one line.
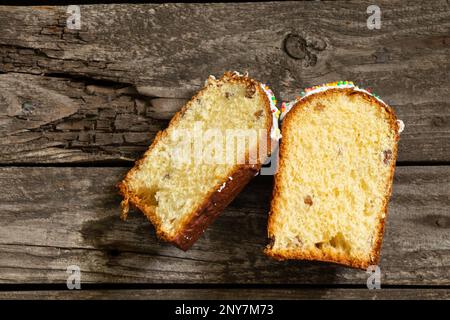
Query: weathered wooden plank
[[56, 217], [167, 50], [59, 120], [178, 45], [51, 120], [231, 294]]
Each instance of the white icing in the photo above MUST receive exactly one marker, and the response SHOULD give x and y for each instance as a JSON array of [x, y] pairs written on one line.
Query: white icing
[[274, 131], [237, 73], [210, 79], [222, 187], [289, 105], [401, 126]]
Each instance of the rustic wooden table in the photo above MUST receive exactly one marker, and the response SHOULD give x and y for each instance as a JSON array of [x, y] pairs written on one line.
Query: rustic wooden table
[[77, 107]]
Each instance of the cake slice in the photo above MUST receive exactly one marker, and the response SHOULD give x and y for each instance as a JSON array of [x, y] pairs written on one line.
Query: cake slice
[[209, 152], [331, 192]]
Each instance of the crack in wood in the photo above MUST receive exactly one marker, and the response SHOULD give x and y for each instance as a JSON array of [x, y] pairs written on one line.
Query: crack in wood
[[109, 115]]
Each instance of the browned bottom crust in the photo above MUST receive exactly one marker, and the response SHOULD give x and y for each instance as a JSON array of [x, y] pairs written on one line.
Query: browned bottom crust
[[212, 207], [323, 257]]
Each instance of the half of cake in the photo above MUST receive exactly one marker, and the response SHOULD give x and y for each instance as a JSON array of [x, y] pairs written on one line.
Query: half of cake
[[212, 148], [331, 192]]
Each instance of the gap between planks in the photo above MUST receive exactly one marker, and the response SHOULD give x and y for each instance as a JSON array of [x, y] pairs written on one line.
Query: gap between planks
[[232, 294]]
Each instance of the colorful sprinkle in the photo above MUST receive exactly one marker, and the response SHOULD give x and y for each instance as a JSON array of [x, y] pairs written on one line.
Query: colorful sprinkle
[[275, 131]]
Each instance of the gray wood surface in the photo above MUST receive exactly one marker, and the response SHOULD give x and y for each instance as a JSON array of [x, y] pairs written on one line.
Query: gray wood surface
[[154, 56], [56, 217], [98, 95], [232, 294], [57, 120]]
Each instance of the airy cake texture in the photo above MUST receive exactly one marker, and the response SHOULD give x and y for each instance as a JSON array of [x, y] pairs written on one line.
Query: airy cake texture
[[331, 192], [182, 193]]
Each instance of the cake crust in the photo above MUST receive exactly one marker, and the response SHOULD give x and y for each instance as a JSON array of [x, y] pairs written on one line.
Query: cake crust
[[195, 223], [328, 255]]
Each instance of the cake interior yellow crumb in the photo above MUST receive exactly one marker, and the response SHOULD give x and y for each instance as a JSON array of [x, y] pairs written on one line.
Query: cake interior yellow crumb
[[333, 178], [174, 188]]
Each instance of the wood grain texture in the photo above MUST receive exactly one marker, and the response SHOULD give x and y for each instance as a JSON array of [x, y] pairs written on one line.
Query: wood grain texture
[[99, 95], [231, 294], [56, 217], [154, 56], [57, 120]]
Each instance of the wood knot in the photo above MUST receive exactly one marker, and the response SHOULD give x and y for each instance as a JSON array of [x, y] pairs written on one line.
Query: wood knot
[[442, 222], [295, 46], [304, 48], [438, 121], [113, 252], [381, 56], [316, 44], [28, 107]]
